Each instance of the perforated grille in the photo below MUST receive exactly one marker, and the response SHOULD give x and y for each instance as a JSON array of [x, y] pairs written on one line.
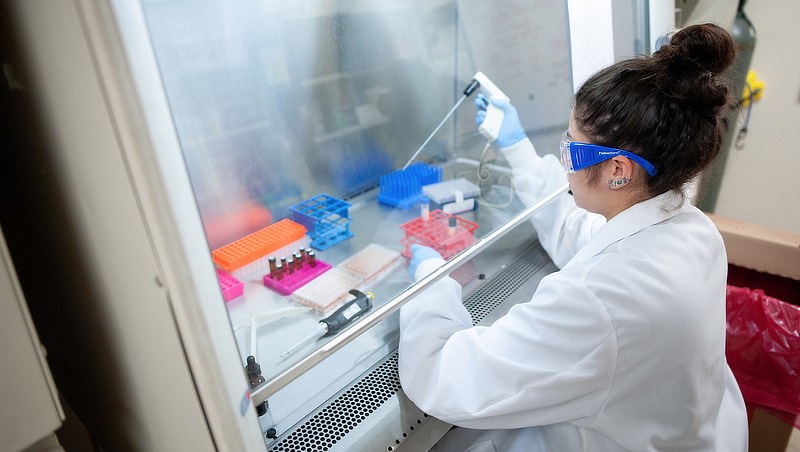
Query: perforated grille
[[490, 296], [326, 428], [323, 430]]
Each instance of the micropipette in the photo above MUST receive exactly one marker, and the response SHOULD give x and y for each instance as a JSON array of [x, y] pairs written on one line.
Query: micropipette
[[490, 127], [259, 320], [473, 85], [339, 319]]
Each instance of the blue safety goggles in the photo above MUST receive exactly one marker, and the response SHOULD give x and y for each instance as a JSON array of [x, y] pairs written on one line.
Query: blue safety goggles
[[577, 156]]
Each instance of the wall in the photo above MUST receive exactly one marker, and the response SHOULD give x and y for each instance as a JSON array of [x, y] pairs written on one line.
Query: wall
[[760, 181]]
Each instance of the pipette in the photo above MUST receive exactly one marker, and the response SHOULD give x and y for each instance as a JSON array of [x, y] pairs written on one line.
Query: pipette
[[339, 319], [473, 85], [259, 320], [490, 127]]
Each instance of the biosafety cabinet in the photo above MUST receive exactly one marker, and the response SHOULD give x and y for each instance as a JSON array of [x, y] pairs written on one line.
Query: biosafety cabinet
[[162, 152]]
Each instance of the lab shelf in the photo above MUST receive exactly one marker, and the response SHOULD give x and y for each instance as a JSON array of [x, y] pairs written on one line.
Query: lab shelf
[[349, 131]]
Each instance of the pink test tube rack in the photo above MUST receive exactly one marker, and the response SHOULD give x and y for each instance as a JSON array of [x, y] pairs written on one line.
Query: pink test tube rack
[[290, 282], [231, 287]]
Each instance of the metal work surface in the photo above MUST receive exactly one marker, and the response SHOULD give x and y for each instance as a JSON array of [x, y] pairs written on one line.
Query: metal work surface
[[371, 412]]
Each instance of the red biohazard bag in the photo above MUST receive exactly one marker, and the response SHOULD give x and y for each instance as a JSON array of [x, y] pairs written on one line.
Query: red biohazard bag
[[763, 350]]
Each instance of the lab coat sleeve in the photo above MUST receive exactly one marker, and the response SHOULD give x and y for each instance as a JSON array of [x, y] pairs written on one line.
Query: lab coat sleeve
[[562, 227], [549, 360]]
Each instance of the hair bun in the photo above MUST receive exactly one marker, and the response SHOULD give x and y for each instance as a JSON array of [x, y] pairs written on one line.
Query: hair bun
[[698, 50], [689, 67]]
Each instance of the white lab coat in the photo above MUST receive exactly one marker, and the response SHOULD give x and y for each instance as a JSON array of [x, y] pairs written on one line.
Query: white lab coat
[[622, 349]]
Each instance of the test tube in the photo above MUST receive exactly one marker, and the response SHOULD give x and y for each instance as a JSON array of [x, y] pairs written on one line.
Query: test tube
[[451, 226], [298, 261], [290, 265], [425, 211], [312, 258], [302, 254], [278, 274], [283, 262], [272, 265]]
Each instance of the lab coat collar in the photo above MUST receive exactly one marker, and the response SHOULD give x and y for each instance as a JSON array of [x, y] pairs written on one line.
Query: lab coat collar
[[631, 221]]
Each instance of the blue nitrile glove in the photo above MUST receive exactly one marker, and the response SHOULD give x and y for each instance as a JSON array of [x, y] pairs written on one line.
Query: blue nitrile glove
[[420, 254], [511, 132]]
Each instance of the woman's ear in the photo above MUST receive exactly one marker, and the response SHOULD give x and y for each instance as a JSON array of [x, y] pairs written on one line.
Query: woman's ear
[[620, 172]]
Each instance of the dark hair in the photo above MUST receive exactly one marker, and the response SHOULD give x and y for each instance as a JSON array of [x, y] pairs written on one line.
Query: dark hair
[[671, 108]]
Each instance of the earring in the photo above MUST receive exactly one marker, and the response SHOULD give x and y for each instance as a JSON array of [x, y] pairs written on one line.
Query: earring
[[615, 184]]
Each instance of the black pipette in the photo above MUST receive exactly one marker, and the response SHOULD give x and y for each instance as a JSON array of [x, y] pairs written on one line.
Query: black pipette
[[339, 319], [473, 85]]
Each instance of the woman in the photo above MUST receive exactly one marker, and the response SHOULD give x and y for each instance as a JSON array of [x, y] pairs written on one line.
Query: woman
[[624, 347]]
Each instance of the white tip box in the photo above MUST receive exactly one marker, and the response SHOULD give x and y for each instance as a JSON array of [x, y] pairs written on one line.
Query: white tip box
[[452, 196]]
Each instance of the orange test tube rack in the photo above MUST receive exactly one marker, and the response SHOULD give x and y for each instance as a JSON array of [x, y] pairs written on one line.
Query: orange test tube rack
[[255, 247]]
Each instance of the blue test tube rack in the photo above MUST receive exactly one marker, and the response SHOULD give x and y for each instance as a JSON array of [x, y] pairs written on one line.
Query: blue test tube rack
[[326, 219], [403, 188]]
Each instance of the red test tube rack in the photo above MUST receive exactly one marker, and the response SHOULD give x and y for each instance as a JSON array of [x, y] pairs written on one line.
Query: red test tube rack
[[445, 233]]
